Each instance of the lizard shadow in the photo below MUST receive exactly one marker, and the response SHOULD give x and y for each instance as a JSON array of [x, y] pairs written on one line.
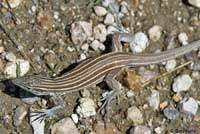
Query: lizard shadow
[[186, 2], [17, 92]]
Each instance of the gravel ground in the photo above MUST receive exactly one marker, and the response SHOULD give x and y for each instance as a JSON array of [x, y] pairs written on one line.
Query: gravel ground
[[57, 33]]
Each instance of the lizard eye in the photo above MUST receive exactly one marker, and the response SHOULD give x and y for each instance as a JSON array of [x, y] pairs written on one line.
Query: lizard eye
[[34, 81]]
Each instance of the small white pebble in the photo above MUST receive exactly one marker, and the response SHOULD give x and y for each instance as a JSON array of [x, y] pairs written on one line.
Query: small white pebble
[[85, 47], [20, 47], [195, 3], [141, 130], [124, 7], [179, 18], [70, 49], [19, 115], [77, 34], [64, 126], [56, 15], [124, 3], [43, 49], [139, 43], [85, 93], [12, 3], [61, 42], [33, 9], [130, 94], [155, 32], [96, 45], [145, 106], [196, 75], [120, 15], [82, 57], [154, 100], [109, 19], [24, 66], [198, 102], [132, 13], [63, 7], [106, 3], [74, 118], [86, 108], [87, 27], [171, 113], [183, 38], [1, 50], [170, 64], [10, 57], [102, 47], [100, 11], [80, 32], [182, 83], [135, 115], [158, 130], [146, 74], [189, 106], [10, 70], [100, 32]]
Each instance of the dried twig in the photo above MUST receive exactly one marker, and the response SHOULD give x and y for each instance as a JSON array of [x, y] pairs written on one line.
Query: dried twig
[[19, 47], [11, 12], [9, 9], [165, 73]]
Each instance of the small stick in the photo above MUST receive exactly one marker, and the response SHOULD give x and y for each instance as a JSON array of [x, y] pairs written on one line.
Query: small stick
[[165, 73], [19, 47], [11, 12]]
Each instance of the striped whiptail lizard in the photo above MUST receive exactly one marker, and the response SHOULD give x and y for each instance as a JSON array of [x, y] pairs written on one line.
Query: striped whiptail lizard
[[96, 70]]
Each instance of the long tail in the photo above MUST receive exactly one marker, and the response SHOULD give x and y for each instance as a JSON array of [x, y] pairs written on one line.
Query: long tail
[[146, 59]]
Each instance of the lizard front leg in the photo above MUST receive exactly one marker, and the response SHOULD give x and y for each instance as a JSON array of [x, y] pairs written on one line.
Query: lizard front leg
[[121, 37], [41, 114]]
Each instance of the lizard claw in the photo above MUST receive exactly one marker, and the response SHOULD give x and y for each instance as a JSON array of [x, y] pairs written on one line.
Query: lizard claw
[[107, 99], [106, 102], [40, 115]]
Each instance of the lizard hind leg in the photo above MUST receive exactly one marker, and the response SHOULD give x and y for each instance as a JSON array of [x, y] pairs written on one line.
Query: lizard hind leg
[[116, 90]]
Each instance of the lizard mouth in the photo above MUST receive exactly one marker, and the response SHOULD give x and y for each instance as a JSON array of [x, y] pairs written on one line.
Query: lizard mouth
[[19, 82], [15, 81]]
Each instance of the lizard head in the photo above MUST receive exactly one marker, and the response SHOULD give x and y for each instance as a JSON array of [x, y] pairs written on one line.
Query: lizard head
[[28, 83]]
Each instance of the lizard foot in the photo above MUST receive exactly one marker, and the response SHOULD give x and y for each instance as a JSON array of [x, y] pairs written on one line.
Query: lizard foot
[[104, 109], [42, 114]]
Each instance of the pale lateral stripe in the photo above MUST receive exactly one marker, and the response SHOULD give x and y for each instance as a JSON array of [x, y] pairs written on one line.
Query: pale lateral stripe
[[73, 71], [77, 86], [95, 65], [76, 69], [88, 64], [87, 70], [70, 82]]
